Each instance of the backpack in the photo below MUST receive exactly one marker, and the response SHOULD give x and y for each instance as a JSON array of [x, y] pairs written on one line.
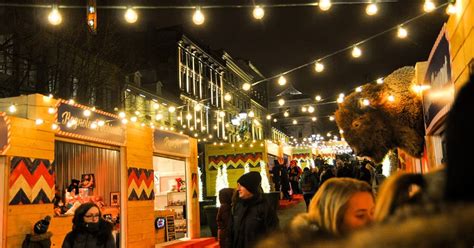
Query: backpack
[[308, 183]]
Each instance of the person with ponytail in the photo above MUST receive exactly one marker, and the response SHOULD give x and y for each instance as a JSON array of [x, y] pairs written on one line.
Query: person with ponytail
[[89, 229]]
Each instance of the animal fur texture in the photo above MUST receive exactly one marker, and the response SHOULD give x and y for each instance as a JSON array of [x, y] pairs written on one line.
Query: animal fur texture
[[383, 125]]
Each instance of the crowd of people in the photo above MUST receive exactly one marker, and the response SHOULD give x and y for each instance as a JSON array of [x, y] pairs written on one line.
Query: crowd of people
[[408, 210]]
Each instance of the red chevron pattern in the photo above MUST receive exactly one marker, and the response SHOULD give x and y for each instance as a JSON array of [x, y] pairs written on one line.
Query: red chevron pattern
[[31, 181], [235, 160], [140, 184], [302, 156]]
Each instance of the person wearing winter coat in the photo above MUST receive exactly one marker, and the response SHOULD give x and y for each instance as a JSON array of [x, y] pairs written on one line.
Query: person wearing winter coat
[[308, 184], [89, 229], [252, 216], [285, 183], [223, 215], [40, 238]]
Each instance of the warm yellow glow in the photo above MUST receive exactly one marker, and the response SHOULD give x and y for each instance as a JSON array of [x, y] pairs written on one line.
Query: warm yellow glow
[[359, 89], [340, 99], [402, 33], [331, 118], [325, 5], [318, 98], [134, 119], [451, 9], [54, 16], [54, 126], [366, 102], [156, 105], [310, 109], [71, 102], [295, 122], [251, 114], [198, 17], [319, 67], [39, 121], [371, 9], [171, 109], [210, 136], [158, 117], [286, 114], [341, 131], [130, 15], [269, 117], [281, 80], [93, 125], [246, 86], [51, 110], [281, 102], [222, 114], [227, 97], [86, 113], [314, 119], [379, 80], [258, 12], [189, 117], [122, 115], [275, 120], [429, 6], [356, 52], [101, 123], [195, 135], [304, 109], [197, 107], [391, 98], [124, 121], [420, 88]]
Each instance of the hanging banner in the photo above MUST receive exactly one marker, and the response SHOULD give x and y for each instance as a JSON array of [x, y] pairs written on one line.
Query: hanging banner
[[99, 126], [438, 99]]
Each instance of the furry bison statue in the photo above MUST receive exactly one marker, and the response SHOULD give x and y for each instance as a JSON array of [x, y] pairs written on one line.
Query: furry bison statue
[[392, 119]]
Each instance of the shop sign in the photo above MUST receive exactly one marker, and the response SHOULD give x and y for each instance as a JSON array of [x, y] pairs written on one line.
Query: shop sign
[[72, 123], [438, 99], [169, 142], [4, 135]]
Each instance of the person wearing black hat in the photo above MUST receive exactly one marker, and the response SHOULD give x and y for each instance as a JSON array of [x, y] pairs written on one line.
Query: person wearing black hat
[[252, 216], [40, 238]]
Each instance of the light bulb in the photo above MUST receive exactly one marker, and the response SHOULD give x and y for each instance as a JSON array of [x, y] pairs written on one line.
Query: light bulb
[[134, 119], [251, 114], [318, 98], [86, 113], [189, 117], [39, 122], [227, 97], [402, 32], [380, 81], [281, 80], [324, 5], [451, 9], [51, 110], [295, 122], [158, 117], [340, 100], [130, 15], [429, 6], [275, 120], [156, 105], [391, 98], [304, 109], [314, 119], [198, 17], [281, 102], [93, 125], [366, 102], [356, 52], [71, 102], [246, 86], [222, 114], [331, 118], [319, 67], [54, 126], [310, 109], [197, 107], [171, 109], [101, 123], [371, 9], [286, 114], [124, 121], [269, 117], [54, 16], [258, 12], [122, 115], [359, 89]]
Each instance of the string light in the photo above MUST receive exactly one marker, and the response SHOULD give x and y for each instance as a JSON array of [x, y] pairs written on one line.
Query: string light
[[227, 97], [39, 122], [54, 16], [281, 102], [324, 5], [275, 120], [318, 98], [295, 122], [189, 117], [93, 125], [124, 121], [122, 115], [366, 102], [222, 114], [269, 117], [134, 119], [281, 80], [314, 119], [54, 126], [428, 6], [101, 123], [371, 9], [251, 114], [198, 17], [286, 114], [71, 101], [304, 109], [319, 67], [197, 107], [51, 110], [310, 109], [379, 80], [359, 89], [171, 109], [451, 9], [391, 98], [356, 52], [402, 33], [258, 12], [246, 86], [156, 105], [86, 113], [331, 118], [130, 15]]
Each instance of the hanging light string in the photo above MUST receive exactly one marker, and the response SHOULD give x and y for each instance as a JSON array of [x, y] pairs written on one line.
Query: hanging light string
[[232, 6], [348, 47]]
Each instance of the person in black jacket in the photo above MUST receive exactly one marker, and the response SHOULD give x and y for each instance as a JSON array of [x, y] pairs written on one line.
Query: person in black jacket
[[276, 175], [89, 229], [40, 238], [252, 216], [224, 215]]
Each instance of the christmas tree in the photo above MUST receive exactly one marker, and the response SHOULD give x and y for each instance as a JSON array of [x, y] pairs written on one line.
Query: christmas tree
[[221, 182], [263, 174], [200, 184]]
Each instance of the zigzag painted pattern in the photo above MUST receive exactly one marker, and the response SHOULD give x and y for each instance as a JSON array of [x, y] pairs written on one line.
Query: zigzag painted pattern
[[301, 156], [31, 181], [140, 184], [235, 161]]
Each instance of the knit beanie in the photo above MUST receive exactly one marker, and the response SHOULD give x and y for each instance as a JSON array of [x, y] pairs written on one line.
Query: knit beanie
[[251, 181], [42, 225]]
